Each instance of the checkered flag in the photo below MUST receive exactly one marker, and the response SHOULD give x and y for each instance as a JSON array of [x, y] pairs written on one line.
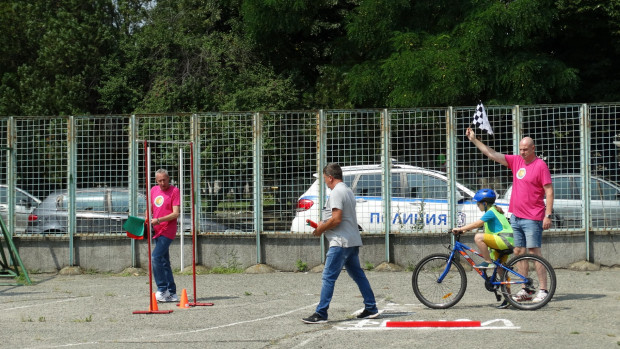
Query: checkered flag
[[481, 120]]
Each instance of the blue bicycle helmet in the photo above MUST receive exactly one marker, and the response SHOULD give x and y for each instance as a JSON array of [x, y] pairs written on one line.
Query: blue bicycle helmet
[[485, 195]]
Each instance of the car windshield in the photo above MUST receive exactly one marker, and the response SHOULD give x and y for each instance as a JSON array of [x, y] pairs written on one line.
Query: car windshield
[[368, 184], [120, 202], [85, 201], [427, 187], [569, 188]]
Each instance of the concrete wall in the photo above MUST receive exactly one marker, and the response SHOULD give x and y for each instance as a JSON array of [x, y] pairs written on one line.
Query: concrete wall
[[281, 251]]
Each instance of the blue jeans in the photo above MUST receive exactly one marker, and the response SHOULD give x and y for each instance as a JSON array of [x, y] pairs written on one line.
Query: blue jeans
[[162, 272], [337, 257], [526, 232]]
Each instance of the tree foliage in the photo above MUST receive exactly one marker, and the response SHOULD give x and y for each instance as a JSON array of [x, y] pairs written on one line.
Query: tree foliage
[[50, 62], [125, 56]]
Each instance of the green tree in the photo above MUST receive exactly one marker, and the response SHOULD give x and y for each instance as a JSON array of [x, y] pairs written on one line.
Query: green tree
[[495, 51], [191, 55], [299, 39], [51, 60], [589, 39]]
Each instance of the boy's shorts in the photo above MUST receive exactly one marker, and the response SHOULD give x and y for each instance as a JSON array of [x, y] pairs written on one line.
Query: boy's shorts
[[495, 244]]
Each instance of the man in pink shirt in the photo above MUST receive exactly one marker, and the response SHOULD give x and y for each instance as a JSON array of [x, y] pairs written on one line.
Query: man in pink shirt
[[165, 203], [531, 184]]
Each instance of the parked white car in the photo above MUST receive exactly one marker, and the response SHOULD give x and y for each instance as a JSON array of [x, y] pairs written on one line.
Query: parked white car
[[419, 200]]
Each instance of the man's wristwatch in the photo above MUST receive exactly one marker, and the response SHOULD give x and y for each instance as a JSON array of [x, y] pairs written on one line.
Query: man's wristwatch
[[548, 216]]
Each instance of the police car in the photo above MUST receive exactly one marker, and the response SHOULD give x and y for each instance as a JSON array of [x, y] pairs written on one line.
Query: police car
[[419, 201]]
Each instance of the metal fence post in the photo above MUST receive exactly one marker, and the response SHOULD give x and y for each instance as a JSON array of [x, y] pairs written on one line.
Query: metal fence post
[[584, 138], [451, 164], [11, 169], [71, 178], [321, 134], [133, 179], [257, 179], [195, 138], [386, 166], [516, 127]]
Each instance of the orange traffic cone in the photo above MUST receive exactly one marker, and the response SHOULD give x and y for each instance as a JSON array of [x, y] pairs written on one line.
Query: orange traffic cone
[[184, 303], [154, 302]]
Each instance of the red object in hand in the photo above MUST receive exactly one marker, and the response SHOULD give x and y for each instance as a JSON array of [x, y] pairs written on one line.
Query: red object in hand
[[312, 223]]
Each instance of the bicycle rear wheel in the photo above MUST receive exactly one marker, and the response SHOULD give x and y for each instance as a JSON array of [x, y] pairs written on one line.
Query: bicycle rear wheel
[[539, 274], [434, 294]]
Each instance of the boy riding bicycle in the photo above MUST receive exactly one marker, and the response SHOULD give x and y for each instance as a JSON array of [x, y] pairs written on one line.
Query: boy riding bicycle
[[497, 234]]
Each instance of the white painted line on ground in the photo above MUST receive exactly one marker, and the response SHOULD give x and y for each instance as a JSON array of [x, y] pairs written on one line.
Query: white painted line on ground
[[307, 341], [185, 332], [239, 323], [40, 304]]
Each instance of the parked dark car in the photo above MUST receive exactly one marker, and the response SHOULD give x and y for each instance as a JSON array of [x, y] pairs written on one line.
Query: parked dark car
[[568, 206], [98, 210], [25, 203]]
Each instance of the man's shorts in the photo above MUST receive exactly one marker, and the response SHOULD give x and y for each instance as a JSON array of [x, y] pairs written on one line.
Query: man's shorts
[[526, 232]]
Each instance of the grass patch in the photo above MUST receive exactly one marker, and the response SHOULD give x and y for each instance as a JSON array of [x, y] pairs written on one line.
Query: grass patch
[[225, 270], [369, 266], [410, 267], [301, 266], [89, 318], [228, 264], [21, 279]]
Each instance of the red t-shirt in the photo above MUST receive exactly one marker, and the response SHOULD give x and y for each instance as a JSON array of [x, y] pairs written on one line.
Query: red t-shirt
[[528, 194], [162, 203]]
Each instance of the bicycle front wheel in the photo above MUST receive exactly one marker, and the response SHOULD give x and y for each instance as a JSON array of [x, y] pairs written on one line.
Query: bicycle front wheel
[[427, 287], [522, 292]]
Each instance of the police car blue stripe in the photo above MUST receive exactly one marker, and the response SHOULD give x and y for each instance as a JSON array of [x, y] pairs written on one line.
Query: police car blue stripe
[[378, 198]]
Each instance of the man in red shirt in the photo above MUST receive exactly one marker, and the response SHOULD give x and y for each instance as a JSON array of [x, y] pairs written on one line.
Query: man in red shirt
[[531, 184], [165, 203]]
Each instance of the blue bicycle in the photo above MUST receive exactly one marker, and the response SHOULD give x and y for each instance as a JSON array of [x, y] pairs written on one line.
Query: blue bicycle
[[439, 280]]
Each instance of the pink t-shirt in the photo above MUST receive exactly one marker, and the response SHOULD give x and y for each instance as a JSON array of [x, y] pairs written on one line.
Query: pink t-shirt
[[162, 203], [528, 194]]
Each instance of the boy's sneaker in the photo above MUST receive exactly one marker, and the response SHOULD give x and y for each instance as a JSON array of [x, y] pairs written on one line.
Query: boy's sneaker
[[503, 305], [523, 295], [161, 296], [542, 294], [314, 319], [484, 265], [367, 315], [172, 297]]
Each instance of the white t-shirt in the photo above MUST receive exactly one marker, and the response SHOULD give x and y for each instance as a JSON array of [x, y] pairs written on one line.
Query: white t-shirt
[[346, 233]]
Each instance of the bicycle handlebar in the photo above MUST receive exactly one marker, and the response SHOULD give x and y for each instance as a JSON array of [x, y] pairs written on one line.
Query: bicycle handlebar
[[456, 236]]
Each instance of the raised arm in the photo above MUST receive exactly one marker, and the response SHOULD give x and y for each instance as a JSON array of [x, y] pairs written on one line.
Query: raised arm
[[486, 150]]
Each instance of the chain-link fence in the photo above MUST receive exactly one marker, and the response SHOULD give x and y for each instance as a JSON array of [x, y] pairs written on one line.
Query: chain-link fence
[[413, 170]]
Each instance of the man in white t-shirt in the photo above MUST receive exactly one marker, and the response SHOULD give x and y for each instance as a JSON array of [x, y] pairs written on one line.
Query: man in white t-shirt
[[341, 230]]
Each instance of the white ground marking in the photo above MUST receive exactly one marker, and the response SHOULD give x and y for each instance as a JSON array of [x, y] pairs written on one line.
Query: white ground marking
[[185, 332], [40, 304]]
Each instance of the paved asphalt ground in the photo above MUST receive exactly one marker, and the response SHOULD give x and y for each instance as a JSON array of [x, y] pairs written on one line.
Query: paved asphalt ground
[[265, 311]]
